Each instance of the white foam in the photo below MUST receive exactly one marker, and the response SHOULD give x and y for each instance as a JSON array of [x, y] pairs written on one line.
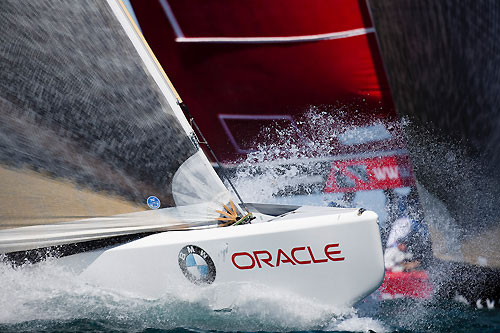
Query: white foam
[[48, 291], [356, 324]]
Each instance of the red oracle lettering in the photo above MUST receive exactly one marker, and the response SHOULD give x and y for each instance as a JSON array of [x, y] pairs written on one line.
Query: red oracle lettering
[[264, 260], [250, 260], [281, 253], [238, 254], [316, 261], [300, 262], [329, 252]]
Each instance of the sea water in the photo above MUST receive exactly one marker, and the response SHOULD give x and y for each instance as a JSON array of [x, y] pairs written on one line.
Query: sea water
[[49, 297]]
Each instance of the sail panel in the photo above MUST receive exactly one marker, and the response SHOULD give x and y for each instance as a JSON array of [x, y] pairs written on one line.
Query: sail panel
[[89, 127]]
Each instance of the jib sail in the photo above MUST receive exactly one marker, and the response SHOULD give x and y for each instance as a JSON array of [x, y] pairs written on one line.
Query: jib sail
[[89, 129]]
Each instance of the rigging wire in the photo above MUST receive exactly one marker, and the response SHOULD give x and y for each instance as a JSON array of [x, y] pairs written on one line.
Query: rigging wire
[[180, 102], [204, 141]]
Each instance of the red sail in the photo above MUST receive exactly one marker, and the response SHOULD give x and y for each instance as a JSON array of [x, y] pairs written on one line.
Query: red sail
[[242, 66]]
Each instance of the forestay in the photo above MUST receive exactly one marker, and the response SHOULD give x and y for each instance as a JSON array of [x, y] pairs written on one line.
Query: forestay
[[90, 128]]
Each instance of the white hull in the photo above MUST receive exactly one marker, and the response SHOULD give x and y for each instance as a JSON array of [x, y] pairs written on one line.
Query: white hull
[[328, 255]]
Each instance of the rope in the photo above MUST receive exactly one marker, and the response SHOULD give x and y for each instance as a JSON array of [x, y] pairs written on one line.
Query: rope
[[204, 141]]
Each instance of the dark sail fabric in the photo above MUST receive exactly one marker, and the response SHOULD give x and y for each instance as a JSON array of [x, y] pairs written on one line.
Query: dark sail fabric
[[86, 129], [443, 65]]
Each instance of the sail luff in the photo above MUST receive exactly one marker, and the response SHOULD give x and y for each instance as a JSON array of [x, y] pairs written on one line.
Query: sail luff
[[161, 78], [150, 61]]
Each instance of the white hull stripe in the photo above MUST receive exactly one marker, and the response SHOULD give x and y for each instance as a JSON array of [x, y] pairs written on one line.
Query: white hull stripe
[[291, 39]]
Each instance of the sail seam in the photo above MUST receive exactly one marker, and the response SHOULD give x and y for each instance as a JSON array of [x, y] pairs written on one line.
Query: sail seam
[[289, 39]]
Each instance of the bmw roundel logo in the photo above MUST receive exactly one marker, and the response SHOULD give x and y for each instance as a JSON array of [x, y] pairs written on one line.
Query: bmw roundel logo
[[153, 202], [196, 265]]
